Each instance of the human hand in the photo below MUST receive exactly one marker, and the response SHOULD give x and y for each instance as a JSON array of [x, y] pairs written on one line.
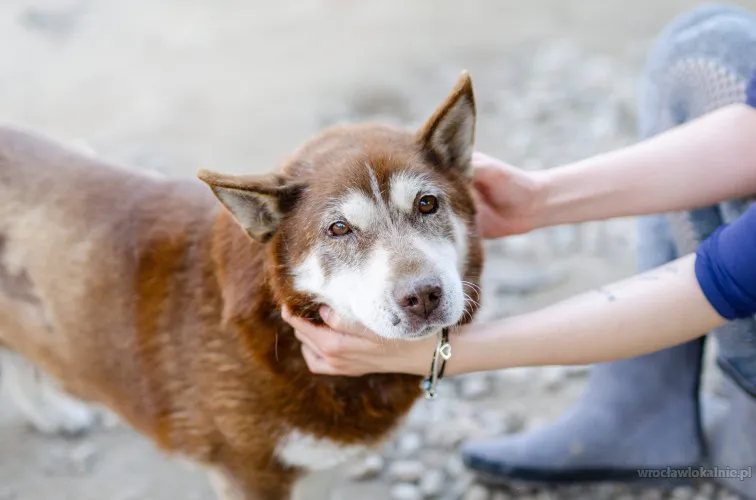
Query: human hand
[[506, 197], [343, 348]]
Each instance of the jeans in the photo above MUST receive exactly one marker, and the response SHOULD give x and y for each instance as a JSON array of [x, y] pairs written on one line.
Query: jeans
[[701, 62]]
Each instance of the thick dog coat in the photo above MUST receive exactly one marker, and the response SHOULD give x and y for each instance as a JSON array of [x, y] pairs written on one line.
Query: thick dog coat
[[149, 297]]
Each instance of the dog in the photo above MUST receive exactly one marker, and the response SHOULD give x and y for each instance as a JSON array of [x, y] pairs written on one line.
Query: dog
[[159, 300]]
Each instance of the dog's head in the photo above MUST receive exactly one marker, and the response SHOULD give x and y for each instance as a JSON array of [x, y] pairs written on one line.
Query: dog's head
[[375, 222]]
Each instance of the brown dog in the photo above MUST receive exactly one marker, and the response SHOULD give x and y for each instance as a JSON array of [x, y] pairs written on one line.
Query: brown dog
[[148, 297]]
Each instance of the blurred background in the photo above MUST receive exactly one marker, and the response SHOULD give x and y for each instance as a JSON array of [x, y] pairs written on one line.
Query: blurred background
[[233, 85]]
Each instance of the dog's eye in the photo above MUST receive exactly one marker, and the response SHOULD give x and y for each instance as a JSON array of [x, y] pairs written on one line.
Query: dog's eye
[[428, 204], [339, 229]]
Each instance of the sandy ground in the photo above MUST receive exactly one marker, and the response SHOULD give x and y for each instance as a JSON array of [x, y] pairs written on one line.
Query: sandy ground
[[234, 85]]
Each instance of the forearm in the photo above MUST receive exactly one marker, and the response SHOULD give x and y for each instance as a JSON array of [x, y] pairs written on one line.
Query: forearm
[[705, 161], [643, 314]]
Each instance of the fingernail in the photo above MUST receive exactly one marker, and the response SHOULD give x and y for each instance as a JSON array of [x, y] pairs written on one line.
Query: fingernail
[[324, 311]]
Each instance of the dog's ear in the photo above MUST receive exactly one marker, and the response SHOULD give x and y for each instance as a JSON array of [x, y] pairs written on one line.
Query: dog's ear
[[448, 137], [257, 202]]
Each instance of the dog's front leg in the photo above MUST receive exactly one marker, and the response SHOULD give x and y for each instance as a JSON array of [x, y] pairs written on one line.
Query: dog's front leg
[[249, 484]]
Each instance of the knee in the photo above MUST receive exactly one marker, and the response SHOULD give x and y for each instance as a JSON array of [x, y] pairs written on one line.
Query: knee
[[701, 60], [702, 15], [715, 31]]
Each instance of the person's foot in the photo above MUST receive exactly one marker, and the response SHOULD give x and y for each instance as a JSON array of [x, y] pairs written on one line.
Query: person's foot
[[731, 440], [640, 413]]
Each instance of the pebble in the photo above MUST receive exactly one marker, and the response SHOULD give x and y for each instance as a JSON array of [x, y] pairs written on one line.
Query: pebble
[[476, 492], [553, 378], [514, 421], [407, 471], [368, 469], [432, 482], [409, 444], [683, 493], [419, 415], [726, 495], [405, 491], [706, 490], [450, 433], [461, 486], [83, 458], [651, 494], [474, 386], [455, 466], [493, 422]]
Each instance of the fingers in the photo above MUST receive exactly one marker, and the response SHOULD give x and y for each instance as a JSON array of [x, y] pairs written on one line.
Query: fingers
[[321, 340], [338, 324]]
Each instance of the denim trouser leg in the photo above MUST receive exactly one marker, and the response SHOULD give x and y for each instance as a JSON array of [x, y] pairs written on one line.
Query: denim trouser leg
[[701, 62]]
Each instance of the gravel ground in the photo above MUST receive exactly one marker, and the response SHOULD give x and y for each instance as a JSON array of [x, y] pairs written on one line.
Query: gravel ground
[[176, 86]]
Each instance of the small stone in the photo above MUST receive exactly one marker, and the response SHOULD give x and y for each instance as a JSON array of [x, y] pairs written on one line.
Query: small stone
[[683, 493], [432, 482], [651, 494], [405, 491], [726, 495], [369, 468], [419, 415], [462, 486], [407, 471], [493, 422], [409, 444], [455, 467], [706, 490], [83, 458], [450, 433], [476, 492], [514, 421], [553, 378], [350, 491], [474, 386]]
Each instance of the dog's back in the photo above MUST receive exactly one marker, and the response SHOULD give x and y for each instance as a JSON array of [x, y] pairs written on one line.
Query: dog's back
[[75, 233]]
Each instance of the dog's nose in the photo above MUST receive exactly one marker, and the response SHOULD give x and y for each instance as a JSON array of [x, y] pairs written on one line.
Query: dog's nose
[[419, 297]]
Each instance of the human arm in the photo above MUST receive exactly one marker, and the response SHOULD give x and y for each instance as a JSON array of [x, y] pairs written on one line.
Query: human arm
[[645, 313], [705, 161], [632, 317]]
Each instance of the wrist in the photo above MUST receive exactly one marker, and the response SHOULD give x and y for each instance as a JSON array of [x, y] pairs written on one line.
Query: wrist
[[541, 212], [419, 354]]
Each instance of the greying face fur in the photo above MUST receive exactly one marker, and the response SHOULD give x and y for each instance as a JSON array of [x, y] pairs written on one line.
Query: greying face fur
[[390, 257]]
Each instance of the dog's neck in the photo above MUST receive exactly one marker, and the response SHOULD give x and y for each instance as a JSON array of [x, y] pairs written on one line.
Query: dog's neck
[[251, 313]]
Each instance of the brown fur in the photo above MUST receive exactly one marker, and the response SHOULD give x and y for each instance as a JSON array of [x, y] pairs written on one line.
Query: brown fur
[[147, 296]]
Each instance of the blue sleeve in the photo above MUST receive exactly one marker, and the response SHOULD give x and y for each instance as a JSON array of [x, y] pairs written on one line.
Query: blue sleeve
[[726, 267], [751, 92]]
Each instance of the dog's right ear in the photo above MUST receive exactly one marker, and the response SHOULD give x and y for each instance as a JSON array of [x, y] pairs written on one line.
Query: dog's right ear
[[257, 202]]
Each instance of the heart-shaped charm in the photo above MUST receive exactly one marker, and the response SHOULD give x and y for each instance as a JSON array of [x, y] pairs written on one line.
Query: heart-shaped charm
[[445, 351]]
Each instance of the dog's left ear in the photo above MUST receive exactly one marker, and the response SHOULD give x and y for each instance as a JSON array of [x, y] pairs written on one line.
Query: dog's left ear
[[257, 202], [448, 137]]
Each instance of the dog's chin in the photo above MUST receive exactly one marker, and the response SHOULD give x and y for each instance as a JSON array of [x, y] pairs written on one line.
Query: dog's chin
[[424, 333]]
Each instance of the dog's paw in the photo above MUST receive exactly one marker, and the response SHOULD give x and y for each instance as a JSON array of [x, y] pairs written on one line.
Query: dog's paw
[[63, 418], [49, 410]]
